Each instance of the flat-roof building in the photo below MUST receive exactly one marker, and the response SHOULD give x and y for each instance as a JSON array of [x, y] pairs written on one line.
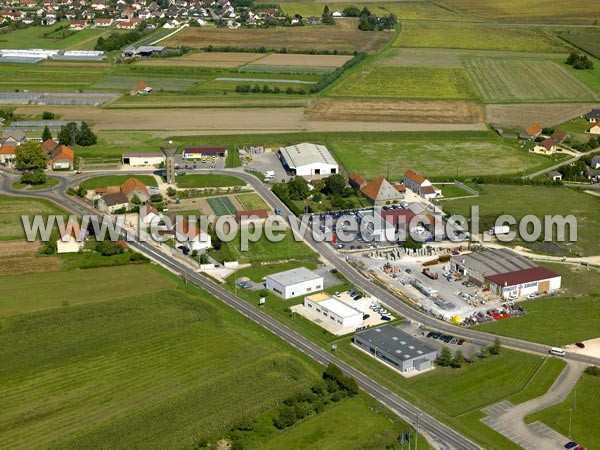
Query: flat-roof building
[[396, 348], [294, 283], [334, 311], [135, 159], [308, 159], [506, 273]]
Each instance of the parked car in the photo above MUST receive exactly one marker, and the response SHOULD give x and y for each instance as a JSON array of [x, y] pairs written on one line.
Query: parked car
[[366, 316], [386, 318], [580, 344], [570, 445], [408, 270]]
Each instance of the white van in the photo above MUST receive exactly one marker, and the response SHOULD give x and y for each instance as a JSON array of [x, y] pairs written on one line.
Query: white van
[[557, 351]]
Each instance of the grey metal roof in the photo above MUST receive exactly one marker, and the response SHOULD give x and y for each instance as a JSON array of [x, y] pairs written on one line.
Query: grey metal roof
[[494, 261], [593, 114], [149, 48], [294, 276], [306, 153], [395, 342]]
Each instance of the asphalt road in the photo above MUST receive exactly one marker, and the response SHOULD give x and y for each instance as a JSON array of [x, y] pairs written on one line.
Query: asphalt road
[[437, 433]]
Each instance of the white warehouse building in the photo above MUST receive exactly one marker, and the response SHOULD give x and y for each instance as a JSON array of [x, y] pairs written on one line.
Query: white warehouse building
[[143, 159], [294, 283], [307, 160], [334, 311]]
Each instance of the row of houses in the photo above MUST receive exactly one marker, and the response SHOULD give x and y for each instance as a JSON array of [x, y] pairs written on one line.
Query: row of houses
[[60, 157], [381, 192]]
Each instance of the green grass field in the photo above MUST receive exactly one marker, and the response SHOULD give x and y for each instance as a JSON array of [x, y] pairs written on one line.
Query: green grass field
[[221, 206], [29, 187], [448, 155], [33, 37], [519, 201], [452, 191], [477, 36], [525, 11], [552, 321], [580, 408], [263, 250], [130, 372], [541, 381], [39, 76], [208, 180], [519, 80], [585, 39], [115, 180], [128, 82], [51, 289], [406, 82], [252, 201], [12, 208]]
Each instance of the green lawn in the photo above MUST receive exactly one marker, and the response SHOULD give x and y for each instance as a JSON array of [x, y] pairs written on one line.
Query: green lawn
[[539, 201], [115, 180], [406, 82], [208, 180], [543, 379], [33, 37], [128, 82], [252, 201], [452, 191], [477, 36], [120, 370], [443, 155], [12, 208], [580, 409], [552, 321], [29, 187], [586, 39], [26, 293], [336, 429], [264, 250]]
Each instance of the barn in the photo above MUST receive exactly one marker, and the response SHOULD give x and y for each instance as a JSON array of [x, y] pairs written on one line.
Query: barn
[[307, 160]]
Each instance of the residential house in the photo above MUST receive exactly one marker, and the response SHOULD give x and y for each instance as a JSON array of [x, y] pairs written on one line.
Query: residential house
[[70, 239], [595, 162], [110, 203], [148, 215], [593, 116], [7, 154], [560, 136], [420, 185], [133, 187], [128, 13], [381, 192], [190, 234], [104, 22], [546, 147], [48, 145], [99, 5], [534, 130], [594, 128], [141, 88], [126, 25], [336, 13], [62, 158], [13, 137], [554, 175], [77, 25], [592, 174]]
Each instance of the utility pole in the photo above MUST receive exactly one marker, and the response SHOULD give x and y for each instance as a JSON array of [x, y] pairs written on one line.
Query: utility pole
[[570, 416]]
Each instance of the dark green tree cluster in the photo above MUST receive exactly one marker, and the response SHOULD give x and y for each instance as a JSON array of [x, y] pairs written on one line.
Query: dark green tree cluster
[[592, 143], [117, 40], [579, 61], [327, 17], [445, 358], [30, 156], [34, 177], [46, 134], [370, 22], [593, 371], [266, 89], [109, 248], [71, 134]]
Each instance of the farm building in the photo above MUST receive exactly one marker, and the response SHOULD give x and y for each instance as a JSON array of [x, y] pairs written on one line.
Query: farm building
[[381, 192], [593, 116], [69, 240], [7, 153], [560, 136], [396, 348], [294, 283], [334, 311], [251, 216], [137, 159], [420, 185], [204, 152], [62, 158], [505, 273], [554, 175], [308, 159], [113, 202], [534, 130]]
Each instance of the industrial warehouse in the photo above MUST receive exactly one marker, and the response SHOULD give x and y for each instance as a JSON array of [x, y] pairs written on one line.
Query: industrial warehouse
[[396, 348], [294, 283], [505, 273], [335, 311], [308, 159]]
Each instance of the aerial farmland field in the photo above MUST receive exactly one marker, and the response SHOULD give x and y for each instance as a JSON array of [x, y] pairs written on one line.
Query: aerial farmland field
[[406, 82], [526, 11], [128, 82], [55, 37], [318, 37], [588, 40], [477, 36], [505, 80], [205, 59]]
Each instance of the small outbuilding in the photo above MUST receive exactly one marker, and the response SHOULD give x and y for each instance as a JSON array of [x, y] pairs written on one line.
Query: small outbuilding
[[294, 283]]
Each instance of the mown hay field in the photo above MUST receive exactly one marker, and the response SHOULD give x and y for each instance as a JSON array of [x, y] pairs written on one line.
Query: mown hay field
[[148, 371], [318, 37], [406, 82], [588, 40], [477, 36], [12, 208], [505, 80], [299, 60], [127, 83]]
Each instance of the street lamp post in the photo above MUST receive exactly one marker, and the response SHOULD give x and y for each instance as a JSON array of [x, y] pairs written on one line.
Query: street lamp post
[[570, 416]]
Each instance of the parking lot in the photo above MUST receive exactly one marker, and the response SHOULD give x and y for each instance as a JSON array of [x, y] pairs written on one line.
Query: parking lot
[[268, 161], [207, 162]]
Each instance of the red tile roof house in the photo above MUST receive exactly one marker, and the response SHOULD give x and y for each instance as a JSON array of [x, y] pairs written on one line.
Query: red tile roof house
[[546, 147], [356, 181], [48, 145], [534, 130], [62, 158], [560, 136], [381, 192], [7, 153], [134, 187], [419, 185], [77, 24]]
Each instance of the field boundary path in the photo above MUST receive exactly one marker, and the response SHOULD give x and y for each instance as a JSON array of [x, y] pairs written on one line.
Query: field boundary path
[[509, 420], [170, 34]]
